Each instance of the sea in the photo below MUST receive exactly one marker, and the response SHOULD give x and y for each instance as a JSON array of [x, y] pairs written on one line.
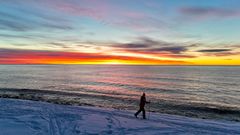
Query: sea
[[195, 91]]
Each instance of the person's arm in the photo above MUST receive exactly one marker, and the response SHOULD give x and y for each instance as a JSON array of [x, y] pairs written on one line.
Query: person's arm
[[148, 102]]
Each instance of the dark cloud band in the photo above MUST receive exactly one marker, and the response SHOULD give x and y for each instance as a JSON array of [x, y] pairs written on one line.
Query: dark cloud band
[[215, 50]]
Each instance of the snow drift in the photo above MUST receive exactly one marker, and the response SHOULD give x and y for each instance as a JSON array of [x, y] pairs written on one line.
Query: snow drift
[[22, 117]]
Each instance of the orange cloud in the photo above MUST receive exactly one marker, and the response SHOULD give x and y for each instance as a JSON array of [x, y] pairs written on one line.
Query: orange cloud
[[10, 56]]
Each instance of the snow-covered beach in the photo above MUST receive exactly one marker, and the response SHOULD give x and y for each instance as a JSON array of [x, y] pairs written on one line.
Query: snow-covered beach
[[23, 117]]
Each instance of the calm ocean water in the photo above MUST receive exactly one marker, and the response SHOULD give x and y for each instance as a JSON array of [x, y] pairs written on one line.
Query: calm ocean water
[[188, 90]]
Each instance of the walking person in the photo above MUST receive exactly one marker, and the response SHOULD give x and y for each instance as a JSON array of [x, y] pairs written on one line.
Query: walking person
[[143, 101]]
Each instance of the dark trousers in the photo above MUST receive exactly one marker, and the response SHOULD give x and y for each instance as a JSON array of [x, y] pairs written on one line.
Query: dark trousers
[[143, 112]]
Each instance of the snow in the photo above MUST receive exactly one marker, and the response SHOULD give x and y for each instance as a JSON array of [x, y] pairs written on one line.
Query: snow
[[22, 117]]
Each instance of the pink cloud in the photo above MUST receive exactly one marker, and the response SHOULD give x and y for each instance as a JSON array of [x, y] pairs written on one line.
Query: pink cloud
[[108, 13]]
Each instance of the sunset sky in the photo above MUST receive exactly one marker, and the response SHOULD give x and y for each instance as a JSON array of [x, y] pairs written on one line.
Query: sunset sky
[[164, 32]]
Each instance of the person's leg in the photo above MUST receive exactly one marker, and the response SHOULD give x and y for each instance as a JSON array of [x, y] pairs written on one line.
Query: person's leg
[[143, 112], [137, 112]]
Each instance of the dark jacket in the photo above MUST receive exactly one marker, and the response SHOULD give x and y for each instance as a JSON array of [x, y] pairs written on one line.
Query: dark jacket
[[142, 101]]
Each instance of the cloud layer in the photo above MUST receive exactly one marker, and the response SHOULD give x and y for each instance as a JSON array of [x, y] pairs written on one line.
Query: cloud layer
[[209, 12], [11, 56], [136, 31]]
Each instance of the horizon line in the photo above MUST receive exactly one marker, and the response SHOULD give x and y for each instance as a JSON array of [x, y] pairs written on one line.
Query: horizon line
[[125, 64]]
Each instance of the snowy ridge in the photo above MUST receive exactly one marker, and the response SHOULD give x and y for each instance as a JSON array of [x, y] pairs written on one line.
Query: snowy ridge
[[24, 117]]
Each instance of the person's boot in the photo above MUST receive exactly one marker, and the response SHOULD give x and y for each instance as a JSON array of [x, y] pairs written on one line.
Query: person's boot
[[135, 115]]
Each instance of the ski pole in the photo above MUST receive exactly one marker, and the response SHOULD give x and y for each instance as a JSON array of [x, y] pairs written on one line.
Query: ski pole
[[149, 111]]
